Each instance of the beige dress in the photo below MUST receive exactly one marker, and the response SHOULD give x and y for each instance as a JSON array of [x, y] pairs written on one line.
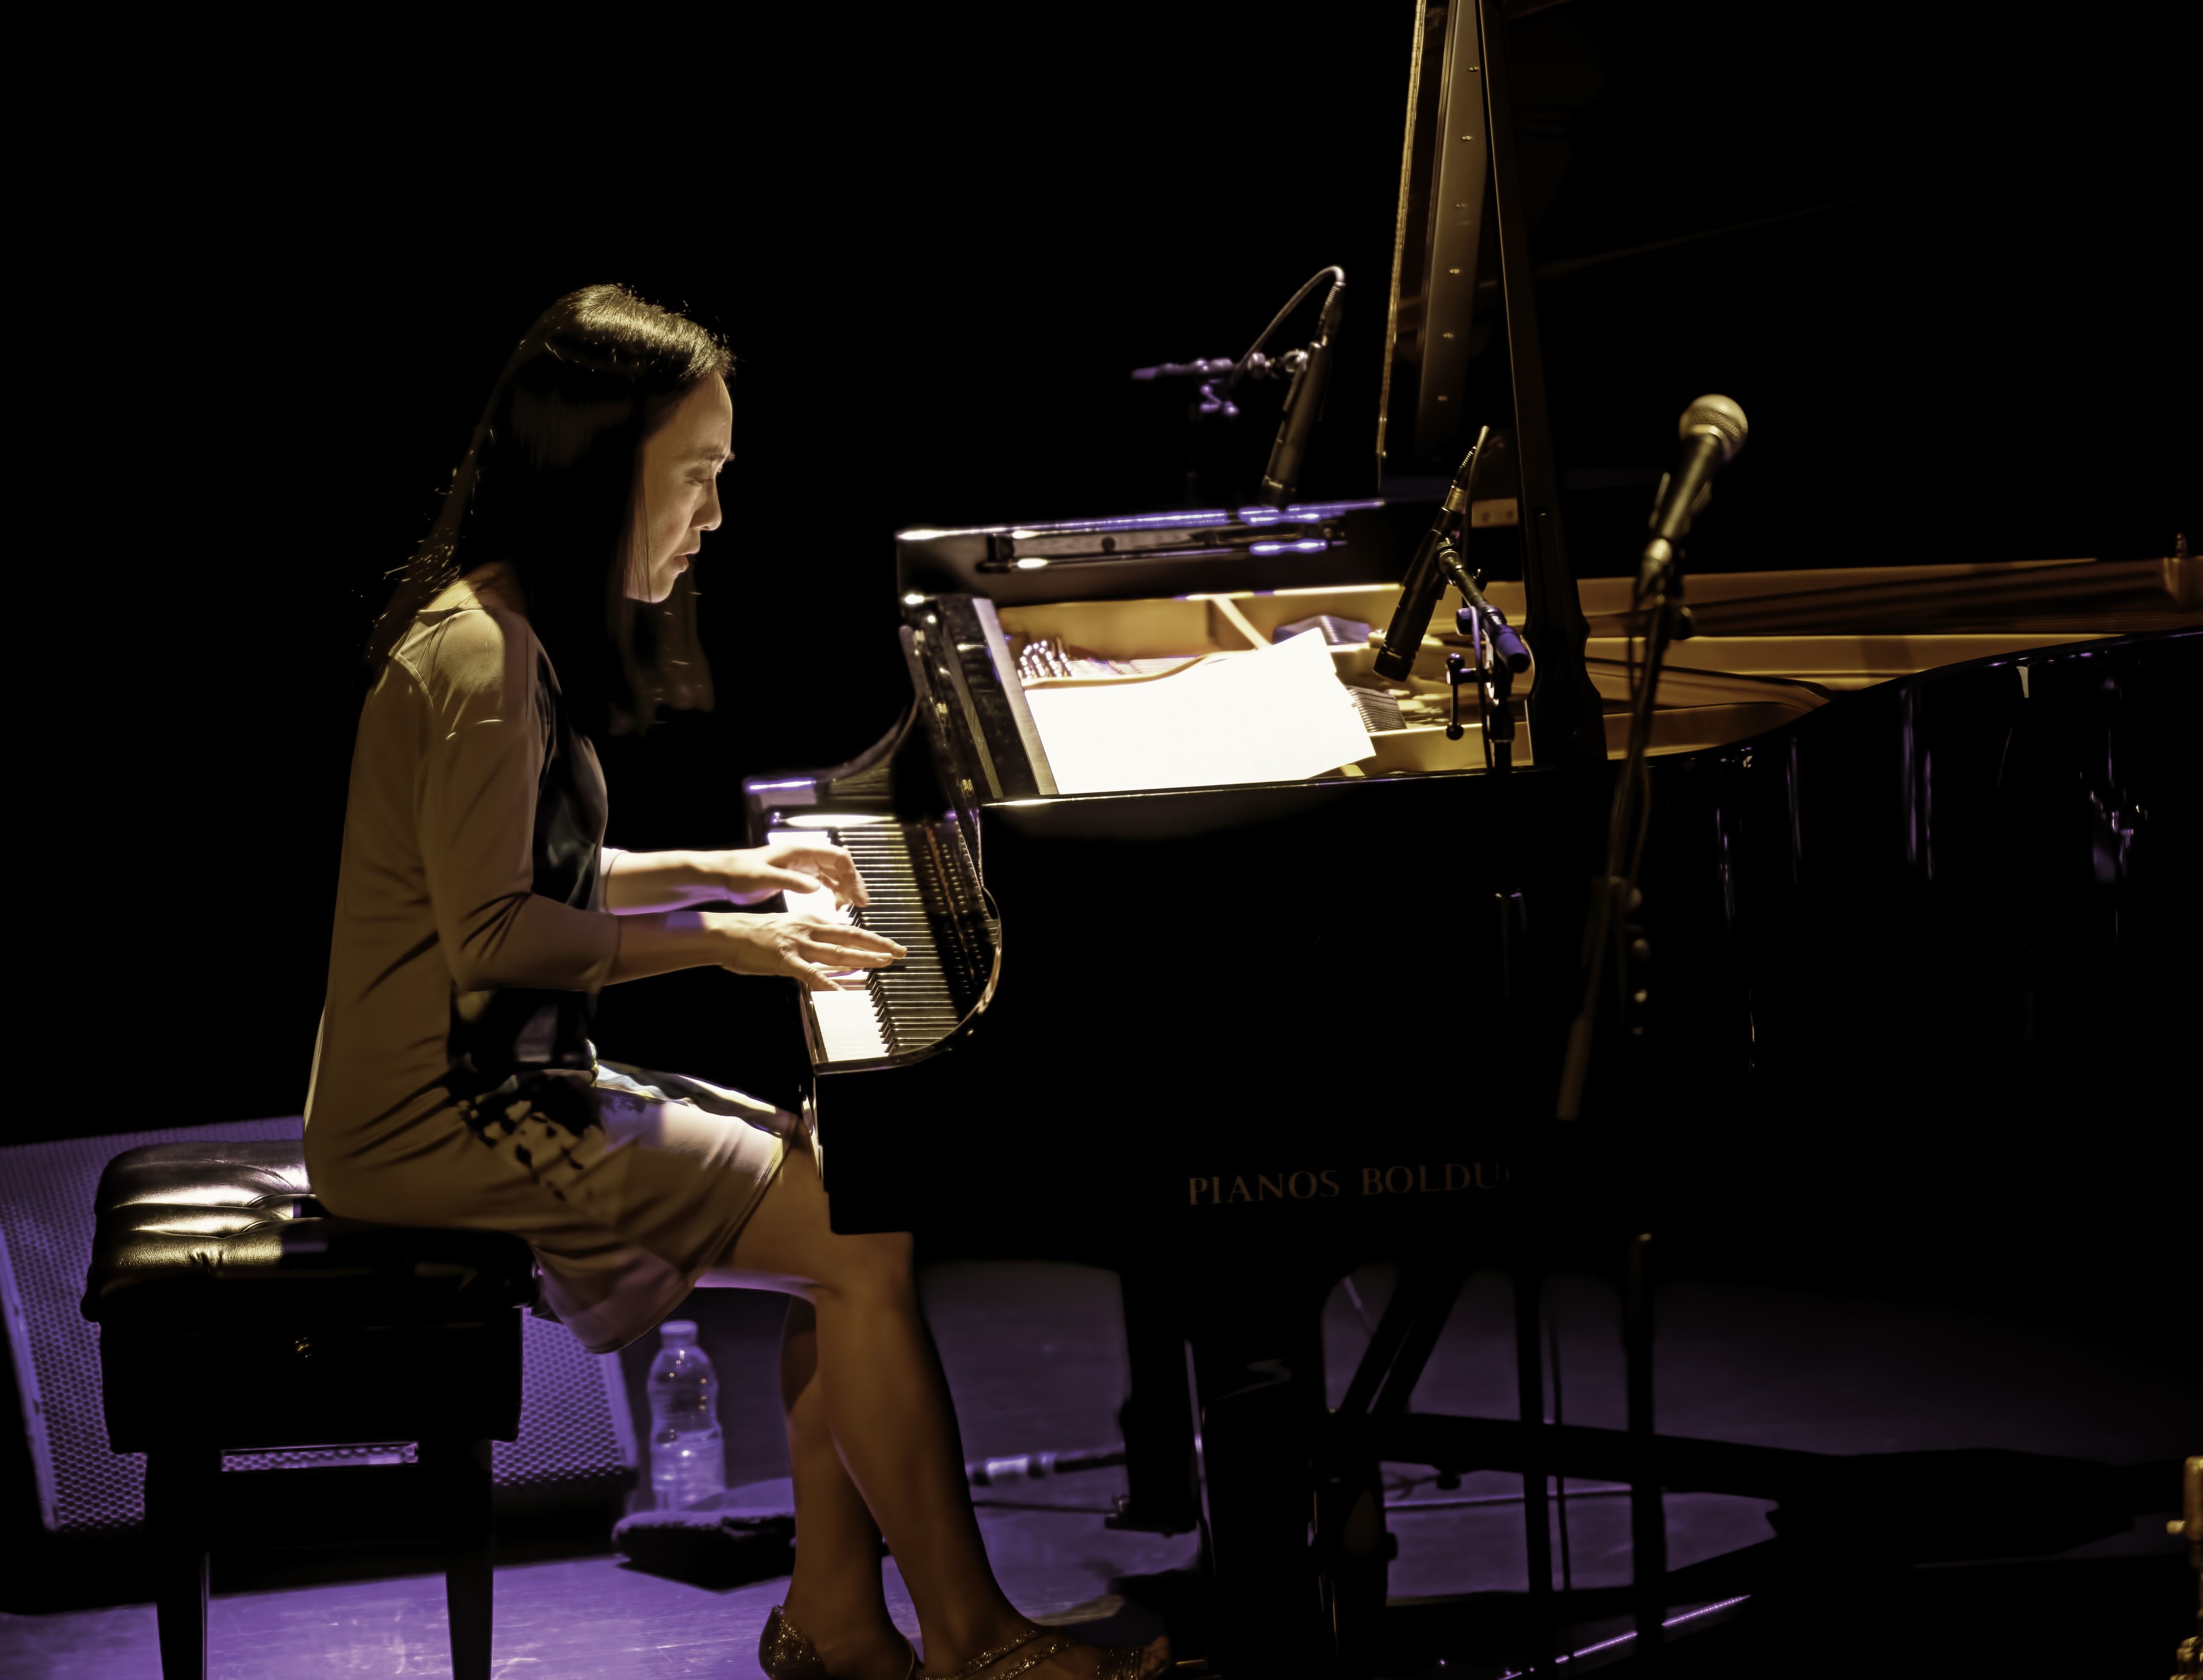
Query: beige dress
[[458, 984]]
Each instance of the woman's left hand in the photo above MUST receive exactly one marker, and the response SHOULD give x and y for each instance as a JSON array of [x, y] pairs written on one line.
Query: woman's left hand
[[791, 864]]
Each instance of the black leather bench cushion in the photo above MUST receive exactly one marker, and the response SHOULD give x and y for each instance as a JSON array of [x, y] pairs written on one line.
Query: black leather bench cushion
[[194, 1234]]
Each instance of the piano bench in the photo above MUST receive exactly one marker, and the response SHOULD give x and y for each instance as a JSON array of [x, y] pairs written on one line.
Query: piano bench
[[374, 1364]]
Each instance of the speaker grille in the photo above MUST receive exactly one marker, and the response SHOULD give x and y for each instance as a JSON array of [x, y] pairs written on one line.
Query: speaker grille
[[576, 1435]]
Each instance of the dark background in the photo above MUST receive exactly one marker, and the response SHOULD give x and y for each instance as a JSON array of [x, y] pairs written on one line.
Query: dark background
[[937, 248]]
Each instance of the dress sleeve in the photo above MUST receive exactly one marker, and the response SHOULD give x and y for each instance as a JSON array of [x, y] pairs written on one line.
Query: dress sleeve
[[482, 758]]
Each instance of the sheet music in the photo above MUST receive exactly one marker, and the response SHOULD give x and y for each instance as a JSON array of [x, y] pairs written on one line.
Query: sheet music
[[1277, 713]]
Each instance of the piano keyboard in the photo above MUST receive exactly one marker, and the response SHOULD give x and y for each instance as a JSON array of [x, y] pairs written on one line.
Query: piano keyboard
[[907, 870]]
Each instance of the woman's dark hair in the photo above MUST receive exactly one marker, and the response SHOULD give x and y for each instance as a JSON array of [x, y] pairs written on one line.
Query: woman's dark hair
[[548, 485]]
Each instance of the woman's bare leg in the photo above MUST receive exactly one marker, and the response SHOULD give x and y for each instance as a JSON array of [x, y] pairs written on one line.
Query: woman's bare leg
[[886, 1409], [834, 1599], [887, 1412]]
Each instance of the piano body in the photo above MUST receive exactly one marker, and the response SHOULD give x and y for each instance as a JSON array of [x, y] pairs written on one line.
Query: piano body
[[1251, 954], [1233, 1040]]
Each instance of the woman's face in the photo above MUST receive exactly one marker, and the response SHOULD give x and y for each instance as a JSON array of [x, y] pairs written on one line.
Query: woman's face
[[679, 483]]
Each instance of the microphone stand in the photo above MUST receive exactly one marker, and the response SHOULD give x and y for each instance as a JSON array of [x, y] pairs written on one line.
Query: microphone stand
[[1656, 599], [1499, 654], [1309, 369], [1658, 596], [1713, 429]]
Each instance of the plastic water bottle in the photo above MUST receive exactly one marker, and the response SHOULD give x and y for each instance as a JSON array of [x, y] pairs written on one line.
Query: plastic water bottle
[[687, 1461]]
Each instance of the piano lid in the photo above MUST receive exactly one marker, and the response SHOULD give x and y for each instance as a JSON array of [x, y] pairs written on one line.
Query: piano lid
[[1459, 171], [1445, 163]]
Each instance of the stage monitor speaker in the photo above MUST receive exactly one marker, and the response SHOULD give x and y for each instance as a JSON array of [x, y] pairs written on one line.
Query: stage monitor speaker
[[576, 1445]]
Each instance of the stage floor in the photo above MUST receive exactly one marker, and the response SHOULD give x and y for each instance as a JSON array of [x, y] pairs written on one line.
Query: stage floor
[[1035, 1358]]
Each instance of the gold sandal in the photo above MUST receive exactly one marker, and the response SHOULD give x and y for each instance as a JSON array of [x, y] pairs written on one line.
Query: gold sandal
[[1035, 1647], [1120, 1662], [785, 1654]]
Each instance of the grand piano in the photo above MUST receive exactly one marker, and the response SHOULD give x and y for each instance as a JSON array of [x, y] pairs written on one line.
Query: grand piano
[[1233, 1040]]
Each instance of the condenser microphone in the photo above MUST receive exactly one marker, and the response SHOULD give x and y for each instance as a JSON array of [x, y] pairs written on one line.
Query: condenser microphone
[[1426, 579], [1713, 430], [1303, 404]]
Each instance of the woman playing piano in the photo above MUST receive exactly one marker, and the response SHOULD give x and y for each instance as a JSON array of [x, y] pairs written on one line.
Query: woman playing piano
[[477, 914]]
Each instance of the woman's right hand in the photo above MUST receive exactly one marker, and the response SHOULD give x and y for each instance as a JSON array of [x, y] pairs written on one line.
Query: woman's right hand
[[813, 949]]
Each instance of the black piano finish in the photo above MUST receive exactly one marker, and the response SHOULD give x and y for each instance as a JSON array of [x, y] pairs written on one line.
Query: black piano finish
[[1975, 876], [1221, 1011], [1225, 1015], [1335, 1006]]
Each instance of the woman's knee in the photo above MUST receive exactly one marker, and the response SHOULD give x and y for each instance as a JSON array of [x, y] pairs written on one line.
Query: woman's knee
[[790, 1244], [875, 1263]]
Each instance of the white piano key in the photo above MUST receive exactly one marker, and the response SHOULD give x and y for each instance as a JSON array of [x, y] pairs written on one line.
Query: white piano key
[[848, 1026]]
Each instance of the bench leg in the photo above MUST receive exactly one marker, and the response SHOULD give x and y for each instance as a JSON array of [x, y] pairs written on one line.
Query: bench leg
[[179, 1490], [462, 1467]]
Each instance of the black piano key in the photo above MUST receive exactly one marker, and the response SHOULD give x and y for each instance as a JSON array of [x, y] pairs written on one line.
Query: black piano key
[[920, 895]]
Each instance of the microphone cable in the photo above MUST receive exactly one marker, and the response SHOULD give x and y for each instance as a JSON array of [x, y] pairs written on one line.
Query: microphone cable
[[1335, 275]]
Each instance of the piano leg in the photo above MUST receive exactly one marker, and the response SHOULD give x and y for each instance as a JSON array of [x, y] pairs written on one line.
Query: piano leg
[[1258, 1370], [1354, 1556], [1354, 1549], [1162, 1495]]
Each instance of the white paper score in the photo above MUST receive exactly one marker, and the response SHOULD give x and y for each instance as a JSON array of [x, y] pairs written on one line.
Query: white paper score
[[1277, 713]]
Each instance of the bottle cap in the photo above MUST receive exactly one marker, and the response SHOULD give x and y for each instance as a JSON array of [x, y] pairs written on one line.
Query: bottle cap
[[678, 1330]]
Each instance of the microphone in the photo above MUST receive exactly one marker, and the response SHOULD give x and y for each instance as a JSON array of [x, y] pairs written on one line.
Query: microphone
[[1303, 403], [1713, 430], [1426, 579]]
